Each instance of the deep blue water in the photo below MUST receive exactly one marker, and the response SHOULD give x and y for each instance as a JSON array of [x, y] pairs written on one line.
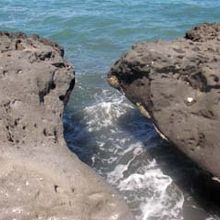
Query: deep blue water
[[101, 126]]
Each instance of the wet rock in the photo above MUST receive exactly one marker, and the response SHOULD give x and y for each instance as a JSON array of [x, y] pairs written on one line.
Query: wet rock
[[39, 177], [178, 84]]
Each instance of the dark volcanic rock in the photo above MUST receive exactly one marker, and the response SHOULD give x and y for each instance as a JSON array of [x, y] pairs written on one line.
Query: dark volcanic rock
[[177, 84], [39, 177]]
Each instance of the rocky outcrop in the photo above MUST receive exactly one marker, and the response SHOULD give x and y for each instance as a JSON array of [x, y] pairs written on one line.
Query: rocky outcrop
[[39, 177], [177, 85]]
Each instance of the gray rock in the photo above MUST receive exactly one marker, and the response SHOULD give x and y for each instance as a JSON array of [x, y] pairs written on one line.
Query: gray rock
[[39, 177], [177, 84]]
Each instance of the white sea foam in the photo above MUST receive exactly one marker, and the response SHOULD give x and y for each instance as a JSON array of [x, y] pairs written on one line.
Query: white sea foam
[[150, 187], [104, 112]]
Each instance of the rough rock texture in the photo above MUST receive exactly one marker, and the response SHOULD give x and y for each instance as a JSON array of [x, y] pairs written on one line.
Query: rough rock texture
[[177, 84], [39, 177]]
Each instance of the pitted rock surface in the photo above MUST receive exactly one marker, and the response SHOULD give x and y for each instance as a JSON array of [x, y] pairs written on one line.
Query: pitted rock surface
[[177, 83], [39, 177]]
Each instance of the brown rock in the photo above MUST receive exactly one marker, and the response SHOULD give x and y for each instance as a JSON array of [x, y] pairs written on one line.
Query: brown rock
[[39, 177], [178, 84]]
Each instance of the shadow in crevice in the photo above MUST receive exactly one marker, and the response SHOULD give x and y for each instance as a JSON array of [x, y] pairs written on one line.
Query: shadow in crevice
[[201, 193], [78, 139]]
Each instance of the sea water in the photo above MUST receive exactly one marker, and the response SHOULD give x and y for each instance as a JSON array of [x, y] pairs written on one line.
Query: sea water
[[101, 126]]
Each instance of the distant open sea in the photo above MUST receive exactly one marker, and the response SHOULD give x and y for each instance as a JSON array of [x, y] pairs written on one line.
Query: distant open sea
[[102, 126]]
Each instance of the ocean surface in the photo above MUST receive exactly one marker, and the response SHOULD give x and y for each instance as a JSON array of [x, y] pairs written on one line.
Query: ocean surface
[[103, 127]]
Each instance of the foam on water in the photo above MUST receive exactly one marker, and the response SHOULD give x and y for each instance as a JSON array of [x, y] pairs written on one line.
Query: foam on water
[[105, 110], [149, 188]]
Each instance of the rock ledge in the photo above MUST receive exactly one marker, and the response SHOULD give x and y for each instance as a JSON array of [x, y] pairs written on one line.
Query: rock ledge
[[177, 85], [39, 177]]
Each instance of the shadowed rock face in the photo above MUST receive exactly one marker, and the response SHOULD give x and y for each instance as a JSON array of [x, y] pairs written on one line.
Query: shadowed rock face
[[177, 84], [39, 177]]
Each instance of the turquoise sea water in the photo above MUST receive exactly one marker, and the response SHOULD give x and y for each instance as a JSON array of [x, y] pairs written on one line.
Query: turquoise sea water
[[95, 32], [101, 126]]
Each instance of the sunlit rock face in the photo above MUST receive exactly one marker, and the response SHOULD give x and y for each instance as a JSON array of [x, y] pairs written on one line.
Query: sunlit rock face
[[39, 177], [177, 84]]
